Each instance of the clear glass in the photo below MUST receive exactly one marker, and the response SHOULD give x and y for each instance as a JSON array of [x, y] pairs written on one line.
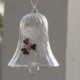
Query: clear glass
[[33, 50]]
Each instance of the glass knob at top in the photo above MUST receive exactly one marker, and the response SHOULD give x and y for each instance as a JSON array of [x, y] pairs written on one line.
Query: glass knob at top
[[33, 49]]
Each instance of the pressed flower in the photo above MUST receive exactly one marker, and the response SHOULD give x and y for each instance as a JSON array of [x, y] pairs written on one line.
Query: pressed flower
[[28, 45]]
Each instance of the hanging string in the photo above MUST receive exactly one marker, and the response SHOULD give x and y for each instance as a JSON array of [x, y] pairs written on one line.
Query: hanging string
[[34, 5]]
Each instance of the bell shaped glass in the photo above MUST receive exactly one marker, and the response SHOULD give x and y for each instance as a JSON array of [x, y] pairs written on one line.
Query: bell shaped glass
[[33, 49]]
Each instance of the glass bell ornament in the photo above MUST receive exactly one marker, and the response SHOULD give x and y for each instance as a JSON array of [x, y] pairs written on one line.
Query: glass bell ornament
[[33, 49]]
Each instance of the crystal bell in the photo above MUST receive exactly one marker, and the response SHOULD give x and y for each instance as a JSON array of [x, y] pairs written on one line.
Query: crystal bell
[[33, 49]]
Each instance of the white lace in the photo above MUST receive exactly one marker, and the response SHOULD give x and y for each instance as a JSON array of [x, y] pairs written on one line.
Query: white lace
[[34, 33]]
